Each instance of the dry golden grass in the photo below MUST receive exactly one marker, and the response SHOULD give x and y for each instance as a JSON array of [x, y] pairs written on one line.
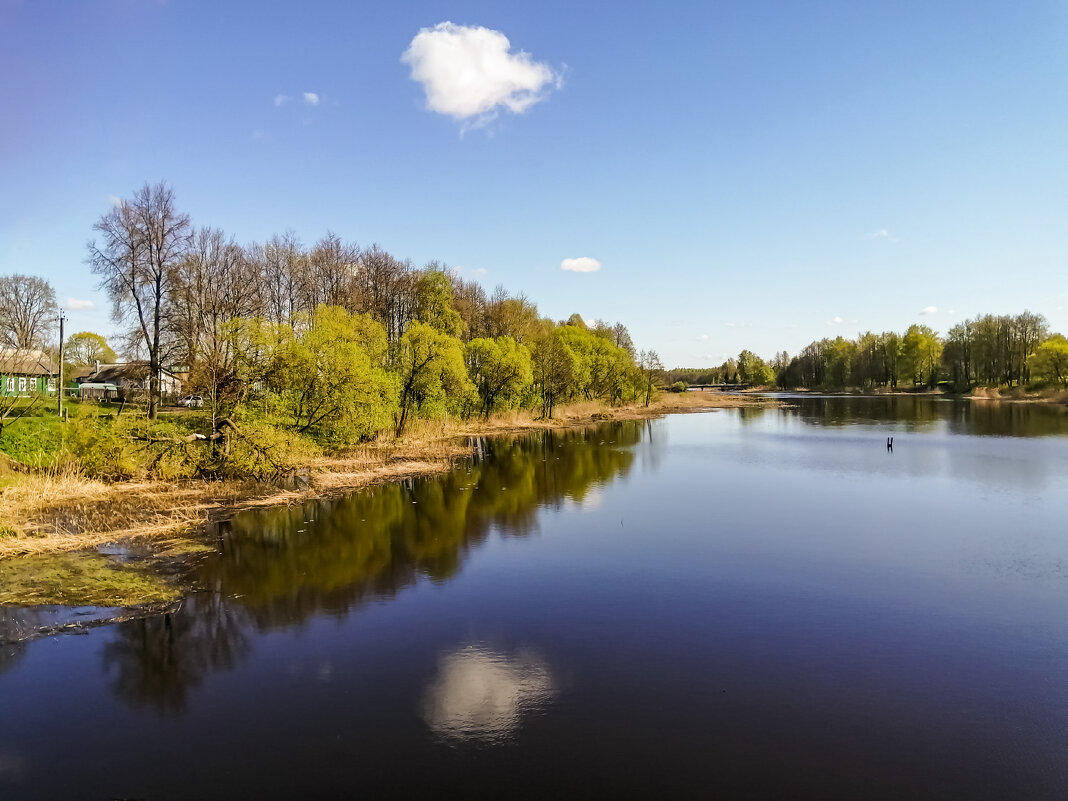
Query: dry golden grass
[[65, 512], [1046, 395]]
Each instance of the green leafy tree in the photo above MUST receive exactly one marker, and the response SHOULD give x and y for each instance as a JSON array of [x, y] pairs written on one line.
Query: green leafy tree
[[432, 374], [86, 348], [921, 354], [1049, 362], [754, 370], [333, 375], [501, 371], [651, 366], [433, 300], [556, 368]]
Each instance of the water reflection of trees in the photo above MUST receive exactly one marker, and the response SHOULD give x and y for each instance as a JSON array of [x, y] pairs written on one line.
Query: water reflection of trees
[[158, 660], [979, 418], [279, 567], [286, 564]]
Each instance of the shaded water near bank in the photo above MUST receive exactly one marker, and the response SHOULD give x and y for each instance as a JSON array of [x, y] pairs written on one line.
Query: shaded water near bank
[[752, 603]]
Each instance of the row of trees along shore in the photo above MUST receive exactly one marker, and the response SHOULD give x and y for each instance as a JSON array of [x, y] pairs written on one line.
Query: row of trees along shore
[[297, 347], [988, 351]]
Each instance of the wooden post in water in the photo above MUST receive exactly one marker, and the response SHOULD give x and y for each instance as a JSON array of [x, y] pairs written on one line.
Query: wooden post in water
[[890, 443]]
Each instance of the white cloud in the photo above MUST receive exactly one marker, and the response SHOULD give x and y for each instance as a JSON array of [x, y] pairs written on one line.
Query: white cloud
[[281, 100], [115, 200], [836, 320], [929, 310], [311, 99], [882, 235], [582, 264], [469, 73], [481, 271], [703, 338], [79, 305]]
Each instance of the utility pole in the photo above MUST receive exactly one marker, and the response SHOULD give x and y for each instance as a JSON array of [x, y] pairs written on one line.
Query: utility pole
[[59, 379]]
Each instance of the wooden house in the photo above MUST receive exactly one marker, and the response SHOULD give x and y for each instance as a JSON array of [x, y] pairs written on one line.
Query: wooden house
[[27, 372], [128, 379]]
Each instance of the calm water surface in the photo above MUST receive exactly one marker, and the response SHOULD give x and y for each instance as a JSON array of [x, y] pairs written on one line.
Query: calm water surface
[[744, 604]]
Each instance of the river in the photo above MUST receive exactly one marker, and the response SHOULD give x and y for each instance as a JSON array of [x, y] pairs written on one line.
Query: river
[[748, 604]]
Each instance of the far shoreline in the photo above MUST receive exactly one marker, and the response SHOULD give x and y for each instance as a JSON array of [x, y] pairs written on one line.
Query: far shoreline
[[1057, 397]]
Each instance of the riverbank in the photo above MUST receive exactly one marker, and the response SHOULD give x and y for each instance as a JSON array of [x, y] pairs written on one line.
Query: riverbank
[[59, 513]]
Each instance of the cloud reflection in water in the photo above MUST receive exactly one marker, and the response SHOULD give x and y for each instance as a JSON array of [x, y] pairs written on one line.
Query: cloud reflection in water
[[479, 694]]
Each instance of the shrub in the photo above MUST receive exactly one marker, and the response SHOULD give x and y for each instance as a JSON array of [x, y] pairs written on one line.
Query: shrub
[[98, 446], [34, 441], [260, 451]]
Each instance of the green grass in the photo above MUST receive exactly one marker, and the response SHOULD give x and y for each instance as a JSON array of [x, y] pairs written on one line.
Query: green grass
[[34, 441], [80, 579]]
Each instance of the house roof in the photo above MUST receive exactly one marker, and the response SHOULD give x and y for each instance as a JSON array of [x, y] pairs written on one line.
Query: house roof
[[117, 373], [19, 361]]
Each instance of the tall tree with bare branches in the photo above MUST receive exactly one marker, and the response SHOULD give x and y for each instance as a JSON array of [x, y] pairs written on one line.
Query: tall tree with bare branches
[[143, 240], [28, 312]]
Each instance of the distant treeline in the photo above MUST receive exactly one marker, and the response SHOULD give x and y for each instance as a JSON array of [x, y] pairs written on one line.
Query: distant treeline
[[991, 350]]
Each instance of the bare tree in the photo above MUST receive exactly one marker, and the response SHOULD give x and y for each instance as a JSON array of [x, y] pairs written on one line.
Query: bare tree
[[386, 290], [329, 274], [28, 312], [469, 299], [144, 240], [278, 262], [212, 286]]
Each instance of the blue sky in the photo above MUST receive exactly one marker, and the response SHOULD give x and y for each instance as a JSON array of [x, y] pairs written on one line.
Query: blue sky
[[747, 174]]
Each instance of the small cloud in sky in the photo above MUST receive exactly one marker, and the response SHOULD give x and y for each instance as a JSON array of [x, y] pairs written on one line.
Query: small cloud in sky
[[929, 310], [311, 99], [469, 73], [582, 264], [882, 235], [79, 305], [836, 320], [703, 338], [114, 200], [281, 100], [480, 271]]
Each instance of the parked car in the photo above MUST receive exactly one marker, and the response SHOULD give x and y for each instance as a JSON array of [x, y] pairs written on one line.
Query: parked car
[[192, 401]]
